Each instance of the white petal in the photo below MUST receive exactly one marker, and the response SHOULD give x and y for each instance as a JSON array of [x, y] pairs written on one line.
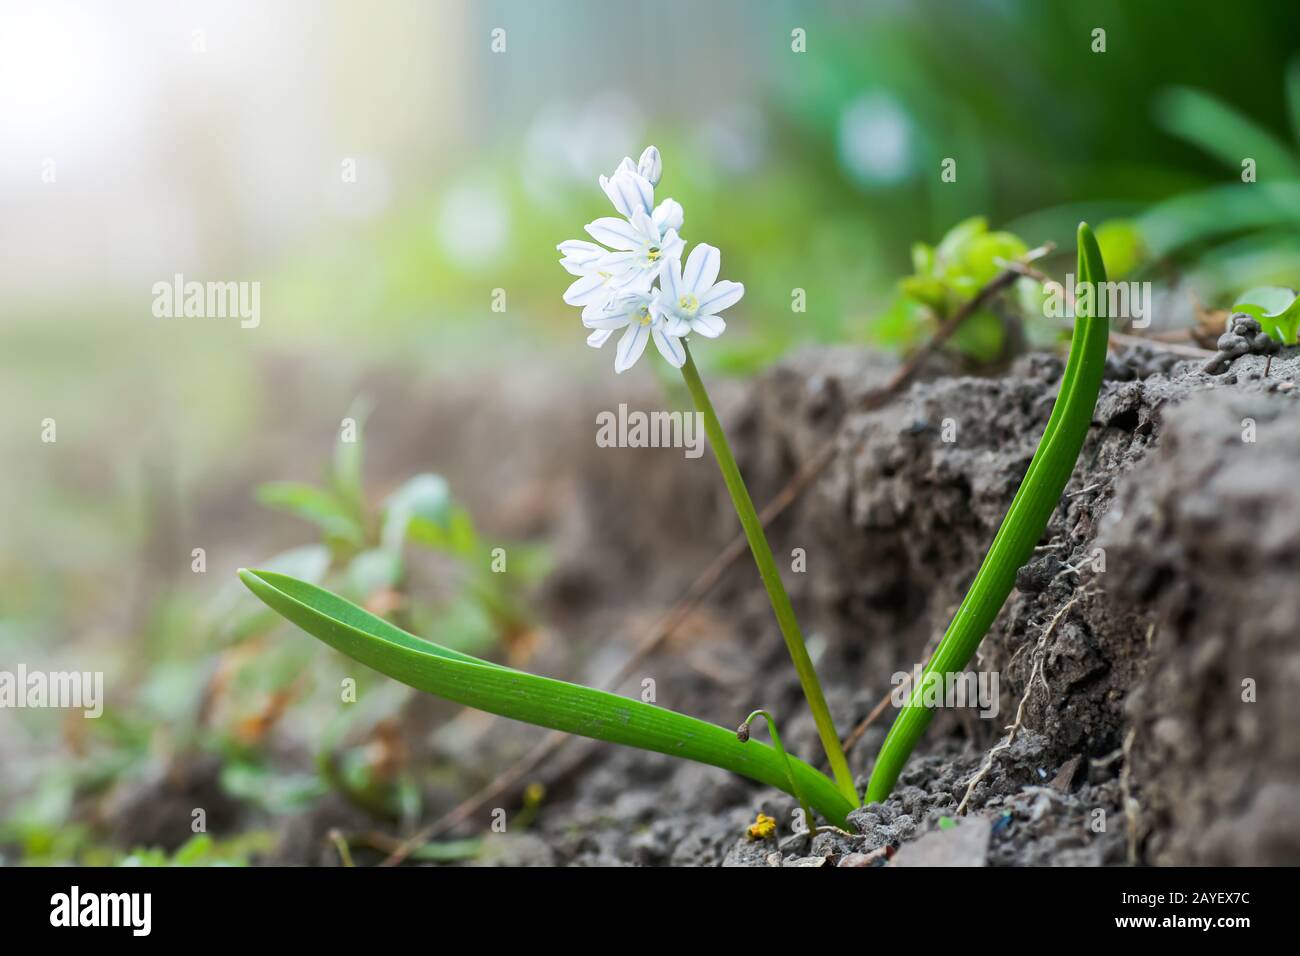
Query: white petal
[[608, 320], [723, 295], [709, 326], [628, 191], [701, 268], [580, 248], [676, 324], [599, 337], [634, 280], [630, 346], [615, 263], [615, 233], [670, 347], [579, 257], [644, 225], [672, 245], [670, 279], [585, 290], [668, 215]]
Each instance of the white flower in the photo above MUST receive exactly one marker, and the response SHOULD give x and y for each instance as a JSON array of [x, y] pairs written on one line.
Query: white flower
[[629, 191], [690, 298], [642, 243], [650, 168], [594, 283], [635, 312], [616, 286]]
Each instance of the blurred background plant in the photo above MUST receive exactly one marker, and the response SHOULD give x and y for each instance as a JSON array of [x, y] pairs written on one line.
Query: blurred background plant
[[382, 173]]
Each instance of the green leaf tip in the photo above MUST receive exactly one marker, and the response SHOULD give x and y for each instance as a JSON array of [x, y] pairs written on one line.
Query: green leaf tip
[[1091, 268], [542, 701]]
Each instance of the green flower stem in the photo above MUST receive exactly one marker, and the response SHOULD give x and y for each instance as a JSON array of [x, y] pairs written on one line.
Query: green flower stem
[[1025, 521], [785, 618], [743, 734]]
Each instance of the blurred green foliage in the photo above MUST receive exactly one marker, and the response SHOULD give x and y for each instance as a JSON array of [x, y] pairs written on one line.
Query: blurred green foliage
[[219, 681], [946, 277]]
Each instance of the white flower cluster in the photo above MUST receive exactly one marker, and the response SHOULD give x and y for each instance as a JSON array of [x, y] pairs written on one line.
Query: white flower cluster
[[639, 283]]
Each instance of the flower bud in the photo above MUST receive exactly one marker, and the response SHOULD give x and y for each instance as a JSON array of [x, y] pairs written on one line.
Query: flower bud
[[650, 165]]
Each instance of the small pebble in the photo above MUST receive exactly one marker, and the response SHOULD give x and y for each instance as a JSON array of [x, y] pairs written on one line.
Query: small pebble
[[1233, 344], [1038, 574], [1264, 344], [1243, 324]]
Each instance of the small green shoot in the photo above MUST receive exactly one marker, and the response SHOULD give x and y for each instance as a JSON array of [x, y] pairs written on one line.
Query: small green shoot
[[947, 276], [365, 543], [1025, 521], [1276, 309]]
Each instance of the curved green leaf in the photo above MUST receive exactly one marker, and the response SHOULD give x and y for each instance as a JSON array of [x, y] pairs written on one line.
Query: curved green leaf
[[1030, 510], [1277, 310], [536, 700]]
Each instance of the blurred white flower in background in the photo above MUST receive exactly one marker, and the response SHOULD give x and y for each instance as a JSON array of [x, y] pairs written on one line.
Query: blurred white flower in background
[[735, 138], [875, 139], [473, 225], [365, 192], [566, 141]]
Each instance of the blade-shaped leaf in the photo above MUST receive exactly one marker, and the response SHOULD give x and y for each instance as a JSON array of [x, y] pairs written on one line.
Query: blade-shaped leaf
[[1224, 132], [320, 507], [349, 455], [536, 700]]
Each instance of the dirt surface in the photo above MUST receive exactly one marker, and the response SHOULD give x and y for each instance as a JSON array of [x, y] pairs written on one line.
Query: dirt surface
[[1147, 658], [1165, 580]]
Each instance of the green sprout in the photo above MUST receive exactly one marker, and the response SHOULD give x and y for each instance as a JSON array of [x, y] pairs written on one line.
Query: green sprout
[[1276, 309], [946, 277], [1025, 521], [363, 544]]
